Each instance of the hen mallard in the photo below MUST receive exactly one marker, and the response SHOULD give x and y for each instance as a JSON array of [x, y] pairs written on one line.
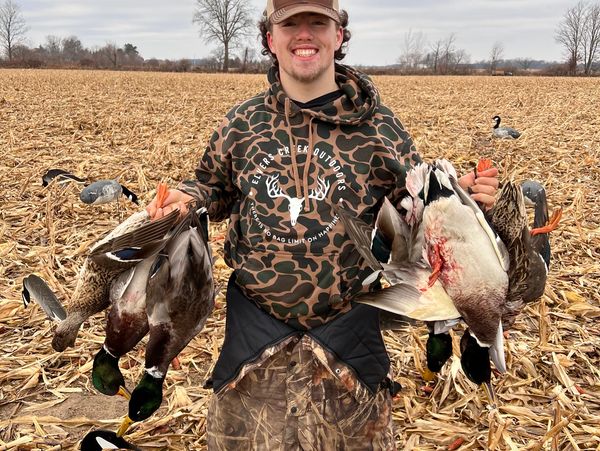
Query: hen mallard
[[503, 132], [462, 255], [179, 298], [127, 245], [528, 269]]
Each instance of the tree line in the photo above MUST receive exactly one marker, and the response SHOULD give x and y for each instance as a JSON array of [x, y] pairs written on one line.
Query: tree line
[[230, 24]]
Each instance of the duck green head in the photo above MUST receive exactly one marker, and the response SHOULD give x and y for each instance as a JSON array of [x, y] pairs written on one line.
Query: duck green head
[[475, 359], [439, 350], [106, 376], [146, 398]]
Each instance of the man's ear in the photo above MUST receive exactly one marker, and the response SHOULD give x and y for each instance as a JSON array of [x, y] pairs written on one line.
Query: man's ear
[[270, 42], [339, 38]]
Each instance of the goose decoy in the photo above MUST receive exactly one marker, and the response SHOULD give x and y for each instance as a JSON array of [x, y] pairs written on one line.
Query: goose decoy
[[503, 132], [104, 192], [179, 297], [102, 439], [61, 176], [132, 241], [34, 288], [469, 279]]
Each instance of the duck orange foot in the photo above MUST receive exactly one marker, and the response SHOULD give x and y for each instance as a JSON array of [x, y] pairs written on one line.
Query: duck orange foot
[[552, 224]]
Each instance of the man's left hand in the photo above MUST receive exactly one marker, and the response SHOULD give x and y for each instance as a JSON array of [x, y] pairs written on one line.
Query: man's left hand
[[483, 188]]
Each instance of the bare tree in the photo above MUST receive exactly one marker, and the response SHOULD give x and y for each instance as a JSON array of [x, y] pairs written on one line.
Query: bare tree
[[524, 63], [570, 34], [225, 22], [448, 53], [591, 37], [12, 27], [496, 55], [435, 54], [412, 49]]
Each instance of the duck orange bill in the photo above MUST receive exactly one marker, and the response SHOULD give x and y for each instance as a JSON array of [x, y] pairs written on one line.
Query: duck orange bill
[[491, 395], [428, 375], [124, 393], [125, 425], [552, 224]]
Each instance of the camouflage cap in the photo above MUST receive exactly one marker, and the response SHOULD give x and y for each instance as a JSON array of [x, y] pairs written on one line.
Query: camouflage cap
[[280, 10]]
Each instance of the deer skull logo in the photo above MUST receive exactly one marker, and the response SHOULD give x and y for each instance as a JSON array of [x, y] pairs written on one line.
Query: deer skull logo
[[296, 204]]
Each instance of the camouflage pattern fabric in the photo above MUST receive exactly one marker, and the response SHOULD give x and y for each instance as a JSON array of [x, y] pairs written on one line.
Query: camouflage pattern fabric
[[296, 396], [277, 170]]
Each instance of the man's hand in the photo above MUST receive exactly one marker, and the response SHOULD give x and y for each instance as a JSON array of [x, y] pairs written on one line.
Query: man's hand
[[175, 200], [483, 188]]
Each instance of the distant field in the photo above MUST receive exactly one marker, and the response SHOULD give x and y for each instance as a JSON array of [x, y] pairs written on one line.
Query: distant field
[[147, 127]]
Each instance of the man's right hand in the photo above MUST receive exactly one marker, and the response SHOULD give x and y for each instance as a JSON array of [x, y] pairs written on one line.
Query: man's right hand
[[175, 200]]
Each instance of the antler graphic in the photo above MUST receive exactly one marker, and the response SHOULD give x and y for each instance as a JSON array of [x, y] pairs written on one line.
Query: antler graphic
[[321, 191]]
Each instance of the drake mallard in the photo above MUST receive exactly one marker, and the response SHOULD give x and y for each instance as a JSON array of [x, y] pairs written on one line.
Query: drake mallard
[[179, 297], [102, 439], [503, 132], [127, 245], [460, 249]]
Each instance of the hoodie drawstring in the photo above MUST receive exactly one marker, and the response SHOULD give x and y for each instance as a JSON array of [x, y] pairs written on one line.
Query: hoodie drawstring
[[293, 153]]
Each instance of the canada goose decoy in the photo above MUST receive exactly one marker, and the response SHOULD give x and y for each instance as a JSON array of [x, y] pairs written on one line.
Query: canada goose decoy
[[104, 192], [61, 176], [102, 439], [128, 244], [503, 132], [179, 298], [34, 288]]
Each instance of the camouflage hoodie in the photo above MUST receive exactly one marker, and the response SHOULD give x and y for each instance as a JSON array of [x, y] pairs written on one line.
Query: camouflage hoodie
[[276, 170]]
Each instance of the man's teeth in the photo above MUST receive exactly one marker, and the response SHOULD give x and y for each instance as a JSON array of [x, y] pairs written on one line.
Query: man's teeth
[[305, 52]]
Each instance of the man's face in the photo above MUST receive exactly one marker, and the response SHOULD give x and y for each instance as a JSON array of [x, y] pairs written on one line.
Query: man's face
[[305, 44]]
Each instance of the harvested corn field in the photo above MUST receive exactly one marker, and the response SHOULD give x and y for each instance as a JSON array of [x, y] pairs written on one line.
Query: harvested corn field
[[143, 128]]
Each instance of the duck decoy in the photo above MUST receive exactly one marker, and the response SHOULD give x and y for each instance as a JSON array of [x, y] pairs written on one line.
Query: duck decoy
[[132, 241], [61, 176], [503, 132], [179, 298], [35, 288], [101, 439], [106, 191]]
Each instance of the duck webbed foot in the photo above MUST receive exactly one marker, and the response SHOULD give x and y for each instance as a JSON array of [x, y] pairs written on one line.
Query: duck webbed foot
[[552, 224]]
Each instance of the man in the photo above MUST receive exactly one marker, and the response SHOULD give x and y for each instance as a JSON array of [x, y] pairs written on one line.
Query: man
[[302, 366]]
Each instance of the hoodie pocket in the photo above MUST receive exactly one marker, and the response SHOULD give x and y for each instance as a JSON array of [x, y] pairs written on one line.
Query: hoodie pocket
[[292, 286]]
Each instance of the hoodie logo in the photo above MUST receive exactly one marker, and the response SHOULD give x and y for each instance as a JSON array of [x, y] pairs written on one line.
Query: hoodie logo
[[296, 204]]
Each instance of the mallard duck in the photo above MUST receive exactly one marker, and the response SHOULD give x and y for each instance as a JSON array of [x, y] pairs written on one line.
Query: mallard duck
[[128, 244], [101, 439], [179, 297], [528, 270], [503, 132], [461, 250]]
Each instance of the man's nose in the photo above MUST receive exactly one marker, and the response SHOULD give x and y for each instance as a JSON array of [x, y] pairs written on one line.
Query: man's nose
[[304, 31]]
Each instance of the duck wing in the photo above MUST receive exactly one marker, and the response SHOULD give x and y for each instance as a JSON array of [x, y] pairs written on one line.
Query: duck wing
[[410, 296]]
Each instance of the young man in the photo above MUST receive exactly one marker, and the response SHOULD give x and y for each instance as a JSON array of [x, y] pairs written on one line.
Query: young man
[[302, 366]]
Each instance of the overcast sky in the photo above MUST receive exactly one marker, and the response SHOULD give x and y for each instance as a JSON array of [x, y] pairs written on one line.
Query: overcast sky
[[164, 29]]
